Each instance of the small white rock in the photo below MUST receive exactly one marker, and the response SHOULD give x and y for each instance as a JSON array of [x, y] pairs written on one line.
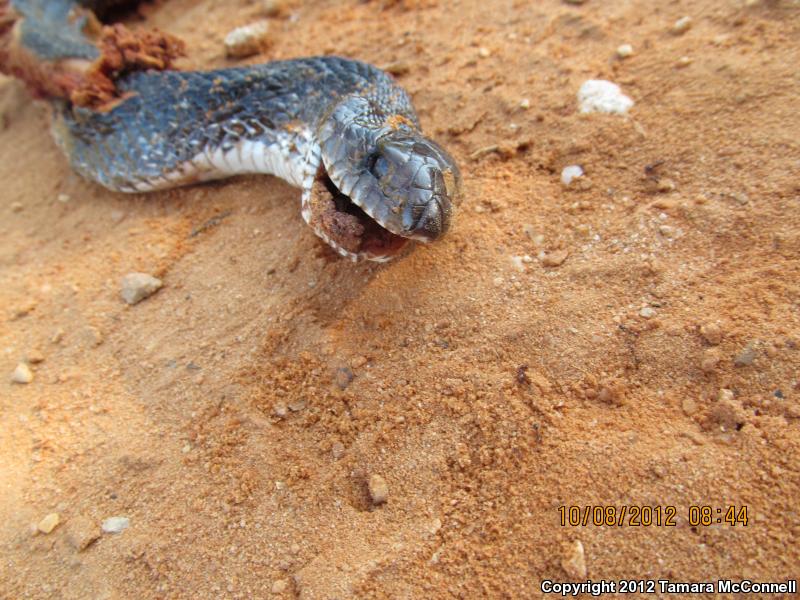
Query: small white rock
[[647, 312], [518, 263], [599, 95], [138, 286], [682, 25], [525, 103], [624, 51], [63, 198], [116, 524], [568, 174], [246, 40], [484, 52], [22, 374]]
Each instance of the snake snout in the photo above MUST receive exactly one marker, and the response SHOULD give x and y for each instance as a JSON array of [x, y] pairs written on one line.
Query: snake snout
[[434, 221]]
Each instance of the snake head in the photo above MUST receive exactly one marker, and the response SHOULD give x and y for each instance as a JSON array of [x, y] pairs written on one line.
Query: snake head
[[380, 183], [416, 180]]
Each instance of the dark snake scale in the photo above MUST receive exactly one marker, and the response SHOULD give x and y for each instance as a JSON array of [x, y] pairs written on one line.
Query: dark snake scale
[[340, 129]]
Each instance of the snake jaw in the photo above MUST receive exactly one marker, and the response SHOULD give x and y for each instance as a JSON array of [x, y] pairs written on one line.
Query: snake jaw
[[343, 225]]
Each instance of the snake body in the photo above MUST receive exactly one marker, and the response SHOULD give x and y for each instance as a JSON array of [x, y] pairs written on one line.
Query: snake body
[[340, 129]]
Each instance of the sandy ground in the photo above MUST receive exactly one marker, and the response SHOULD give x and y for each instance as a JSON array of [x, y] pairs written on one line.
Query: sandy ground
[[487, 390]]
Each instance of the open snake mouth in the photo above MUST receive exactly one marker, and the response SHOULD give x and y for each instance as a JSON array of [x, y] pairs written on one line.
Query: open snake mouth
[[345, 225]]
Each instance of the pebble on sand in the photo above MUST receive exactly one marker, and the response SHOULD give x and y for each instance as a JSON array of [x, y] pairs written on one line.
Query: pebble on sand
[[624, 51], [554, 259], [135, 287], [50, 522], [22, 374], [599, 95], [647, 312], [570, 173], [378, 489], [279, 586], [116, 524], [746, 357], [574, 561], [246, 40], [681, 26]]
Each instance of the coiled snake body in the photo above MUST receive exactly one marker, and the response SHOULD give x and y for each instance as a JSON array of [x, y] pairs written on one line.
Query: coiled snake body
[[340, 129]]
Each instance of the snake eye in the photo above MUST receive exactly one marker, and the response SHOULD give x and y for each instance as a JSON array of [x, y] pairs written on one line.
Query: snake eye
[[377, 165]]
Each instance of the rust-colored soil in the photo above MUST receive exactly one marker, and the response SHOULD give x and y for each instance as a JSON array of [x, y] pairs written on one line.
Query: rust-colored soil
[[645, 354]]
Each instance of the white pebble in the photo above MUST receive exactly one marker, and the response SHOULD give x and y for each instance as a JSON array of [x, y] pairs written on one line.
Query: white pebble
[[525, 103], [647, 312], [624, 51], [22, 374], [599, 95], [568, 174], [63, 198], [138, 286], [116, 524], [682, 25], [247, 40], [484, 52]]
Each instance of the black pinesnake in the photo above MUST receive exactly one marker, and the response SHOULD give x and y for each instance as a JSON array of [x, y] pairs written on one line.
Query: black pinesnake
[[340, 129]]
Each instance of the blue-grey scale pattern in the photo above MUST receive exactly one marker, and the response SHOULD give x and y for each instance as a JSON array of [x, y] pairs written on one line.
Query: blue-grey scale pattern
[[342, 120], [171, 116]]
